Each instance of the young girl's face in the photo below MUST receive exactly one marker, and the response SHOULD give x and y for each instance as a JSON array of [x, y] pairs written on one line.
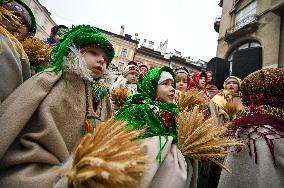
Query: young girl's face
[[96, 61], [165, 91], [181, 79], [202, 82], [232, 87], [131, 77]]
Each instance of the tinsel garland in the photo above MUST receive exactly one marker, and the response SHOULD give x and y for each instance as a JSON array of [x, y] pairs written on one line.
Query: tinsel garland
[[264, 117]]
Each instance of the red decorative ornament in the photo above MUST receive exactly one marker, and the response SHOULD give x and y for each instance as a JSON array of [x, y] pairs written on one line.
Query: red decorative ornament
[[167, 120]]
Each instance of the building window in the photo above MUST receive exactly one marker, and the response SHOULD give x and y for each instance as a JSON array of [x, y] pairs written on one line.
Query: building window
[[245, 16], [120, 66], [124, 52]]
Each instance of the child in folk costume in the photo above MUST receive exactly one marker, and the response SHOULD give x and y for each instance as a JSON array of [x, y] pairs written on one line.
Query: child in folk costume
[[153, 107], [260, 124], [225, 105], [143, 69], [56, 34], [172, 139], [17, 23], [45, 118], [182, 78], [128, 80], [211, 89]]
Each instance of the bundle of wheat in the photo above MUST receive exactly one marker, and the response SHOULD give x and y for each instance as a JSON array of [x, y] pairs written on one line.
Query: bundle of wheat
[[37, 51], [110, 157], [119, 95], [201, 139], [231, 108], [186, 101]]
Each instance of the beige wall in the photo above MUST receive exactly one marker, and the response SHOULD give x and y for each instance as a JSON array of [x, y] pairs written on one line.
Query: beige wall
[[149, 61], [118, 45], [267, 34]]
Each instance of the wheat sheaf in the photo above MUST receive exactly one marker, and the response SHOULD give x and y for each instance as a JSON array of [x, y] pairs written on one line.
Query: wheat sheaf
[[119, 95], [186, 101], [108, 158], [201, 139]]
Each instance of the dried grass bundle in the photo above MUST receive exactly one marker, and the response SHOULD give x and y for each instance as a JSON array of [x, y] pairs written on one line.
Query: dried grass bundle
[[201, 139], [37, 51], [187, 100], [231, 108], [119, 95], [108, 158], [8, 15]]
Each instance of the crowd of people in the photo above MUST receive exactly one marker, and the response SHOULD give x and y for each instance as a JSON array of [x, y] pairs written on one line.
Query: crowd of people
[[68, 121]]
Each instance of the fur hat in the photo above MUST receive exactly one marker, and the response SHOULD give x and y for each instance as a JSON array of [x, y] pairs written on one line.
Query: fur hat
[[131, 69]]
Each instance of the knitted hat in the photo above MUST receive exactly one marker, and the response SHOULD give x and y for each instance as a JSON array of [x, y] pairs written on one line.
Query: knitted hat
[[165, 76], [131, 69], [143, 66], [181, 70], [232, 79], [79, 36]]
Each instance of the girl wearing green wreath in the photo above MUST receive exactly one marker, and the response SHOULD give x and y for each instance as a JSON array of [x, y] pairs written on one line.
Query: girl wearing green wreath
[[153, 109], [45, 118]]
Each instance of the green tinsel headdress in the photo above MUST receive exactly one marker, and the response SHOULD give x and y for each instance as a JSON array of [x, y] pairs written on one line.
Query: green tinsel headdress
[[81, 35], [148, 85], [142, 111]]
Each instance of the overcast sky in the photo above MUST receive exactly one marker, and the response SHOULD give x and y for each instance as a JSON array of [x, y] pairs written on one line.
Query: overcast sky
[[187, 24]]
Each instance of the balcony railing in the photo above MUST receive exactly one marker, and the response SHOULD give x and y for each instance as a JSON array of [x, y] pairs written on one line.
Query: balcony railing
[[245, 26]]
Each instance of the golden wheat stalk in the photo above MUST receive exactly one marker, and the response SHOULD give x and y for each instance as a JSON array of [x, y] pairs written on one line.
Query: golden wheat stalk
[[231, 108], [187, 100], [108, 158], [37, 51], [201, 139], [119, 95]]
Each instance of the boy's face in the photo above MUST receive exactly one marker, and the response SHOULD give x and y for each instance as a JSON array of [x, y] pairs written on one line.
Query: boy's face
[[59, 34], [96, 61], [232, 87], [181, 79], [202, 82], [131, 77], [166, 91]]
